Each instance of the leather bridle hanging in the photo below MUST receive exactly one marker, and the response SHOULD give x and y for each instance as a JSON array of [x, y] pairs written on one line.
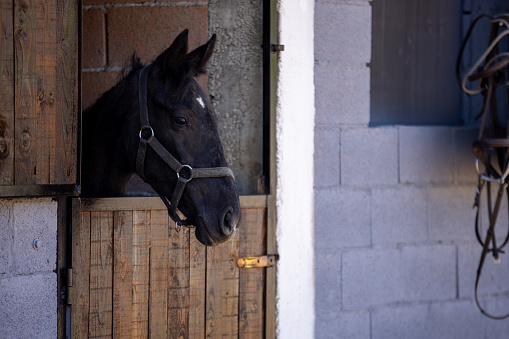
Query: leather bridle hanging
[[493, 73]]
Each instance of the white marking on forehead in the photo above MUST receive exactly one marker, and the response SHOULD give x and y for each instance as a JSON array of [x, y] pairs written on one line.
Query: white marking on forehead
[[200, 101]]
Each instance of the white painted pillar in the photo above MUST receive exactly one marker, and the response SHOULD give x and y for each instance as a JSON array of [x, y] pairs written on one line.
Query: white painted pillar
[[295, 145]]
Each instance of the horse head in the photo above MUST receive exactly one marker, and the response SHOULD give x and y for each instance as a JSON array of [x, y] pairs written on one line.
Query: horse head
[[188, 157]]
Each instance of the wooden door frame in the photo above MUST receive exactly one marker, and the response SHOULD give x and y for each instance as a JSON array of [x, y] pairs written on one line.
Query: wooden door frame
[[270, 80], [69, 208]]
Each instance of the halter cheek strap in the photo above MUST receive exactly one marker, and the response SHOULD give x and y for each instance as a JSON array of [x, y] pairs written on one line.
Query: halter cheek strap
[[184, 173]]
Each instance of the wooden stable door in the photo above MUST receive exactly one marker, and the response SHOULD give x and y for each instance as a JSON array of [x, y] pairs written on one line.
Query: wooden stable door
[[134, 276]]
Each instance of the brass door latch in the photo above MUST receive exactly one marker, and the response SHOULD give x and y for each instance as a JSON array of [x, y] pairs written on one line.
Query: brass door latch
[[260, 261]]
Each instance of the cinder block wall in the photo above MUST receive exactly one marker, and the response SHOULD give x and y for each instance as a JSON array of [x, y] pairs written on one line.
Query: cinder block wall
[[396, 255], [114, 29], [28, 280]]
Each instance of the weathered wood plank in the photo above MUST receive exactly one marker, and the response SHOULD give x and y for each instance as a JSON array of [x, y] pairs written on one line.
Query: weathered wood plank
[[6, 94], [44, 110], [141, 279], [178, 284], [252, 234], [101, 274], [39, 97], [122, 273], [81, 272], [270, 282], [197, 288], [64, 157], [25, 83], [158, 308], [222, 290], [154, 203]]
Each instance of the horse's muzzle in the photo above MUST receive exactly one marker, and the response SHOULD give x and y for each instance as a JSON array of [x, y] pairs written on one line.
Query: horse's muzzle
[[212, 234]]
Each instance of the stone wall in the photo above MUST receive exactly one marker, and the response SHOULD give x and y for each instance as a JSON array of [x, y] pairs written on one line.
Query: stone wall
[[396, 254], [28, 279]]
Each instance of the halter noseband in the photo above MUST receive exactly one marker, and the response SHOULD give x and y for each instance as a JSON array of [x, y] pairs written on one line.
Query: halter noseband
[[185, 173]]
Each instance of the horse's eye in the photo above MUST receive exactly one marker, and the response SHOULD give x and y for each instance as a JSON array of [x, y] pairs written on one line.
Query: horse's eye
[[179, 121]]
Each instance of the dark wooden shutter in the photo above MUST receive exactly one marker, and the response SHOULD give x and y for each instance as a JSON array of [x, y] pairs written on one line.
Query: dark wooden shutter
[[414, 49], [38, 97]]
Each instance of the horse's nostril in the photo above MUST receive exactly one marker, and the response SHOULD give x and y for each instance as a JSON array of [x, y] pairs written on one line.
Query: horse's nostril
[[230, 221]]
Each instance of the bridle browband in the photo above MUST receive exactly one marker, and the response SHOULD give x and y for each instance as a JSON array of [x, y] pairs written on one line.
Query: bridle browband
[[184, 173]]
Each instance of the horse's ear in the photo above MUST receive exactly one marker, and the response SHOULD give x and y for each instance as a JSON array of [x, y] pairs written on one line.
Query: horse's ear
[[196, 61], [176, 53]]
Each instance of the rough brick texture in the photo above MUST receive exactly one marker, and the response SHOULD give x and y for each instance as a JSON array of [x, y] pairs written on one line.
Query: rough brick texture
[[328, 271], [369, 157], [352, 325], [439, 320], [150, 30], [94, 38], [379, 277], [345, 102], [342, 219], [327, 157], [400, 215], [96, 83], [451, 216], [426, 155]]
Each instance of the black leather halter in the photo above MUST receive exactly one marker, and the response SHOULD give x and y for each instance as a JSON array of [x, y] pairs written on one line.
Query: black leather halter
[[184, 173]]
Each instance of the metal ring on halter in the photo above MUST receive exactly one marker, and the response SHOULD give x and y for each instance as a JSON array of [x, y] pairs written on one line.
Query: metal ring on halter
[[178, 227], [190, 172], [146, 128]]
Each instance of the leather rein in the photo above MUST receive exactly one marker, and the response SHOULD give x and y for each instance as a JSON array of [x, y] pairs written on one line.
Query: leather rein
[[490, 75], [184, 173]]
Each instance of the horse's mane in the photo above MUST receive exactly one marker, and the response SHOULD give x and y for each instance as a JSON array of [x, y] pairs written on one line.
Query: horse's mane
[[109, 96]]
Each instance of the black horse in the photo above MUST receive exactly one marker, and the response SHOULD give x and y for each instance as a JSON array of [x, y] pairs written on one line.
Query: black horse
[[157, 122]]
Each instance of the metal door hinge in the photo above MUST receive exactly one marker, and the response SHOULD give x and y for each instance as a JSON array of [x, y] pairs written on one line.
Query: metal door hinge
[[66, 285], [274, 48], [260, 261]]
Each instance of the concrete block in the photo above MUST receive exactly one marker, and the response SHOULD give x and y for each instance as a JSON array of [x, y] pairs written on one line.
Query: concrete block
[[347, 325], [327, 283], [345, 34], [94, 38], [400, 215], [438, 320], [378, 277], [326, 157], [369, 157], [6, 236], [342, 94], [35, 219], [28, 306], [464, 165], [494, 277], [400, 322], [125, 37], [342, 219], [426, 155], [497, 306], [451, 216]]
